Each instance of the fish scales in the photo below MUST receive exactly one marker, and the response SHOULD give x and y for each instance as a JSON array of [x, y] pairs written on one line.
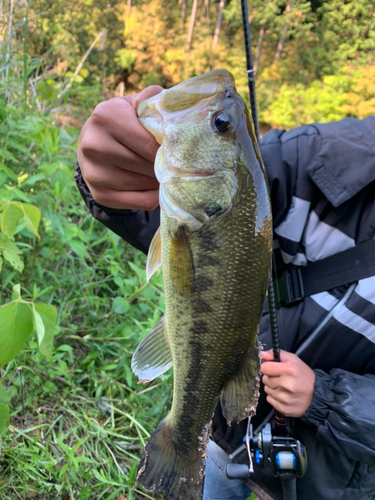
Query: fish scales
[[215, 247]]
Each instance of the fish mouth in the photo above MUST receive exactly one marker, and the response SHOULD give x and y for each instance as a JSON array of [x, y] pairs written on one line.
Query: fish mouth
[[189, 173]]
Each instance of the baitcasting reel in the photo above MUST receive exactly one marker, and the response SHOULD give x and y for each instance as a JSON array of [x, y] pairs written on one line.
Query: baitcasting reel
[[284, 456]]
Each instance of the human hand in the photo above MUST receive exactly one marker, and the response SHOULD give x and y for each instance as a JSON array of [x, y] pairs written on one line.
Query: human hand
[[289, 385], [116, 154]]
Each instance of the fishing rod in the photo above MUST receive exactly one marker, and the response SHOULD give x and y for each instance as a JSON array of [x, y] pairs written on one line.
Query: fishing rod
[[281, 453], [280, 419]]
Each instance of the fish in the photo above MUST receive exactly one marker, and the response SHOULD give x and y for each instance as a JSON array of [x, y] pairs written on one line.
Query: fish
[[214, 247]]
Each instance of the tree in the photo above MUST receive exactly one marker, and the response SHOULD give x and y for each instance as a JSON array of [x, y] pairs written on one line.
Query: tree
[[218, 24], [191, 25]]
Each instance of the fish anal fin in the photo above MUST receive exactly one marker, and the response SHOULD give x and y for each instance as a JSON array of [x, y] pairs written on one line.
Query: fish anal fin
[[153, 355], [154, 255], [181, 266], [239, 397]]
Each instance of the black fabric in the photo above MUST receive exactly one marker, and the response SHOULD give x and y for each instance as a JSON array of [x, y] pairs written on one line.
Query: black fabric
[[322, 189], [134, 226], [296, 283], [346, 161]]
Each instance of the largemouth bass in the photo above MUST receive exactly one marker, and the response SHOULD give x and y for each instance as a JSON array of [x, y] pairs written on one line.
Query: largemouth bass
[[214, 245]]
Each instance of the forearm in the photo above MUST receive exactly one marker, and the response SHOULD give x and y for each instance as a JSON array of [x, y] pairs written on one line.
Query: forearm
[[137, 227], [343, 410]]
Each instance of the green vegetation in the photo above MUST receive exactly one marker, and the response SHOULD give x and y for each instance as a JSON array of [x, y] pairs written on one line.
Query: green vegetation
[[74, 301], [314, 56]]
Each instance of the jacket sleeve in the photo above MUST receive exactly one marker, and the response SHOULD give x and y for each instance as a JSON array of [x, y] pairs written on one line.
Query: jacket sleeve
[[343, 410], [137, 227]]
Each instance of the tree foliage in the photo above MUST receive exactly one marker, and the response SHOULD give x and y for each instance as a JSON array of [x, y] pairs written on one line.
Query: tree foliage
[[297, 44]]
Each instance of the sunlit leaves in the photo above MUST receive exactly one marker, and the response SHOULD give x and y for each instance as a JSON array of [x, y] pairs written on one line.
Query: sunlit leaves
[[11, 252], [13, 211], [10, 216], [45, 317], [17, 325], [120, 305], [18, 320]]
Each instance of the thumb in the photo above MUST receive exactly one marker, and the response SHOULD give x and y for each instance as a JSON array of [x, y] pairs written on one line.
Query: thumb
[[285, 356], [148, 92], [267, 355]]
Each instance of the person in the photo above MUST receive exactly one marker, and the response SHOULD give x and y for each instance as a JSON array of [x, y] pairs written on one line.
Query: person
[[322, 187]]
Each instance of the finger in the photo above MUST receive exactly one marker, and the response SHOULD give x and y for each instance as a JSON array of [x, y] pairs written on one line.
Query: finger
[[273, 369], [146, 93], [116, 178], [134, 200], [280, 407], [102, 149], [118, 118], [279, 395], [285, 356], [267, 355], [271, 382]]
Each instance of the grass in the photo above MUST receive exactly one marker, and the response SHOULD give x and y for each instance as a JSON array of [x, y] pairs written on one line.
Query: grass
[[79, 429]]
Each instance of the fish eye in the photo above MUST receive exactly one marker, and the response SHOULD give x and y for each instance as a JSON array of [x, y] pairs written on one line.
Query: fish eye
[[222, 122]]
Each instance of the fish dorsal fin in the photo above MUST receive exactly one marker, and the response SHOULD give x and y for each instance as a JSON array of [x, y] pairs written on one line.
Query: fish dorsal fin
[[153, 355], [240, 394], [154, 255]]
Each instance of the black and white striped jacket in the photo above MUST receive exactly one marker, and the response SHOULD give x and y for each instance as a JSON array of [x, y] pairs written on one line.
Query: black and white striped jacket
[[322, 184]]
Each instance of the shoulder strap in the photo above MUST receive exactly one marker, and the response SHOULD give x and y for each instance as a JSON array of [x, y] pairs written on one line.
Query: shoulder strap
[[343, 268]]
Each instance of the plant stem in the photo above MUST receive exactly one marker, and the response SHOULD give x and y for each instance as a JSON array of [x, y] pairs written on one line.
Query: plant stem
[[35, 255], [2, 283]]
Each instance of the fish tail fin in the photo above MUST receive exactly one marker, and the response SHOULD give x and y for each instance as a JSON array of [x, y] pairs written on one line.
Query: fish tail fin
[[162, 469]]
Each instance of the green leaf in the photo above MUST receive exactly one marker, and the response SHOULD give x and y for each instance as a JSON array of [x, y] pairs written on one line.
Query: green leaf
[[11, 252], [3, 178], [79, 248], [4, 397], [17, 290], [9, 173], [46, 90], [120, 305], [48, 315], [10, 216], [32, 216], [16, 320], [4, 417], [38, 325]]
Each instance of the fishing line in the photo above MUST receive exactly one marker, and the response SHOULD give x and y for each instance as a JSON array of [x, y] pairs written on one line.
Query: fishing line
[[207, 2]]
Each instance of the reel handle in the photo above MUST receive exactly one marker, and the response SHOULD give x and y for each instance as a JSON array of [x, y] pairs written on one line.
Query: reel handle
[[237, 471]]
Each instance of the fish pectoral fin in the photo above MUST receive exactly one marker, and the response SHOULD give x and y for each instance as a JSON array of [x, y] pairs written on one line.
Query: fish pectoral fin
[[154, 255], [239, 397], [153, 355]]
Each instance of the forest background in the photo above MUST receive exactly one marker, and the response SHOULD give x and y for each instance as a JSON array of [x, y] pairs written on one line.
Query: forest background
[[74, 298]]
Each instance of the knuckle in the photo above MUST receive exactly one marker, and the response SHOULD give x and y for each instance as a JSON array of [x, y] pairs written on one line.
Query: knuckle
[[87, 145], [105, 111], [291, 371], [98, 196], [100, 113], [101, 110]]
